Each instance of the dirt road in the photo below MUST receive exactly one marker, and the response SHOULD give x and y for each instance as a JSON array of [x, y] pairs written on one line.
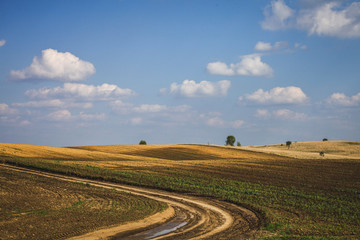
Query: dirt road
[[188, 217]]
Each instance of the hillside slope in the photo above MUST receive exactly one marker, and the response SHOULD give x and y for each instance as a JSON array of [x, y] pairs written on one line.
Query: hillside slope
[[311, 150]]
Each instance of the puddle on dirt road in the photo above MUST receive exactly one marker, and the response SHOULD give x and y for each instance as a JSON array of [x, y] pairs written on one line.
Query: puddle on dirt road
[[164, 229], [181, 219]]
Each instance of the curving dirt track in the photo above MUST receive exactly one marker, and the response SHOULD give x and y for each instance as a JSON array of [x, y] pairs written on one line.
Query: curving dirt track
[[188, 217]]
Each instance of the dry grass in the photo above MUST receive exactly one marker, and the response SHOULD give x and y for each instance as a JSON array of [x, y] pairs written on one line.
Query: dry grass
[[130, 156], [63, 153], [311, 150]]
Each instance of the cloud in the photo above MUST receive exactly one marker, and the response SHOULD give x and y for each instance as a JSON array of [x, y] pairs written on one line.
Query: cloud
[[103, 92], [6, 110], [301, 46], [219, 122], [283, 114], [61, 115], [289, 115], [250, 65], [264, 46], [25, 123], [325, 19], [53, 103], [191, 89], [65, 115], [340, 99], [56, 66], [238, 124], [155, 114], [332, 19], [262, 113], [128, 108], [2, 42], [278, 95], [91, 117], [215, 122], [136, 121], [148, 108], [277, 15]]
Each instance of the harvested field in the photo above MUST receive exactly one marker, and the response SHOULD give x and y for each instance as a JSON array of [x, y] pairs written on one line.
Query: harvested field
[[35, 207], [311, 150], [300, 197]]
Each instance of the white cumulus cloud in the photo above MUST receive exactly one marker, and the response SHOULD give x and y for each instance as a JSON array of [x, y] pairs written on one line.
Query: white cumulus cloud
[[237, 123], [6, 110], [324, 19], [277, 15], [265, 46], [283, 114], [149, 108], [57, 66], [289, 114], [2, 42], [332, 19], [191, 89], [250, 65], [82, 91], [340, 99], [136, 121], [65, 115], [262, 113], [278, 95], [61, 115], [53, 103], [127, 108], [215, 122]]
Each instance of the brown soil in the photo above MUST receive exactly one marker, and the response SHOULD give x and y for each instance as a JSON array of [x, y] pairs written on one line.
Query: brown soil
[[207, 218], [36, 207]]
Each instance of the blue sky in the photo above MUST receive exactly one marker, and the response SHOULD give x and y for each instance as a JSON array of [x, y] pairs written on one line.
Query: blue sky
[[116, 72]]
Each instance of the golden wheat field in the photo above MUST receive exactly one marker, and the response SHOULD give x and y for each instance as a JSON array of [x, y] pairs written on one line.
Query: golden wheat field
[[123, 156], [332, 149], [129, 156]]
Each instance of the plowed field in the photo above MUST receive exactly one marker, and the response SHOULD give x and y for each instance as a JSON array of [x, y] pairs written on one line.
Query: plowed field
[[35, 207]]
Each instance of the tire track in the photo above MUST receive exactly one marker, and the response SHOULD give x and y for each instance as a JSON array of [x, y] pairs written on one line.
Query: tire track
[[205, 218]]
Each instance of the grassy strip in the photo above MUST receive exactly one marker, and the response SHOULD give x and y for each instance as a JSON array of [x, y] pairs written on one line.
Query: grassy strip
[[292, 212]]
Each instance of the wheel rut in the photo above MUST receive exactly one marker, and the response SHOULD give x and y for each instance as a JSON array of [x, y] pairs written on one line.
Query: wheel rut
[[188, 217]]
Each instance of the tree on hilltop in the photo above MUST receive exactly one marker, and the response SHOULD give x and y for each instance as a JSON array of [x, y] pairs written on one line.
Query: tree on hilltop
[[142, 142], [230, 140]]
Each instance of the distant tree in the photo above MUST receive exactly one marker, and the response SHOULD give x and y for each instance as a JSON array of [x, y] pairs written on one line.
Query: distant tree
[[288, 144], [230, 140], [322, 154], [325, 139], [238, 144], [142, 142]]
